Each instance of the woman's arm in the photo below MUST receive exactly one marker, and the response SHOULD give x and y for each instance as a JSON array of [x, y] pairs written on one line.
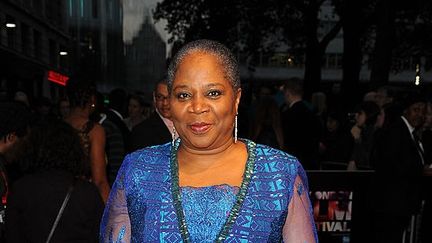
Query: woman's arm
[[115, 225], [299, 225], [98, 162]]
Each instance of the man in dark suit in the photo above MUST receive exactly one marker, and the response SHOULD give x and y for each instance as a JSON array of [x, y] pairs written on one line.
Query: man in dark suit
[[158, 127], [116, 107], [301, 127], [116, 131], [398, 159], [14, 124]]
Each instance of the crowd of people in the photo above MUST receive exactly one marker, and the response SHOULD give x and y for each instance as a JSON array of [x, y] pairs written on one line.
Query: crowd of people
[[206, 160]]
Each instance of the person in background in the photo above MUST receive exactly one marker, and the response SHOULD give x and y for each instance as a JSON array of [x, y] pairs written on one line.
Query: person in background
[[158, 127], [63, 108], [14, 125], [337, 143], [22, 97], [363, 134], [302, 129], [370, 96], [386, 99], [116, 109], [43, 108], [208, 185], [426, 135], [266, 124], [135, 111], [426, 220], [82, 98], [54, 161], [117, 133], [399, 162], [319, 105]]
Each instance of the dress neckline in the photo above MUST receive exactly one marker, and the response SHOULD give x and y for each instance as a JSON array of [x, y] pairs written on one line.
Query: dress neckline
[[235, 210]]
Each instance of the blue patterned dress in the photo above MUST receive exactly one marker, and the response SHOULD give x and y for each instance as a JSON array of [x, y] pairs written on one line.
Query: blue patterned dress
[[146, 203]]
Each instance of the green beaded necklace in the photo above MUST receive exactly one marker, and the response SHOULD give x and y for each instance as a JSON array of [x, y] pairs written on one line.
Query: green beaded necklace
[[175, 189]]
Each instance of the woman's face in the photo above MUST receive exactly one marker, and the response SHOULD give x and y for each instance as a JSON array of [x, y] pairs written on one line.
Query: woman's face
[[203, 103], [332, 124], [134, 108], [360, 118]]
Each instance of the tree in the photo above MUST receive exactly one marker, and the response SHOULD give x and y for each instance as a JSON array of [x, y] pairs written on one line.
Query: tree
[[253, 26], [356, 18], [401, 28]]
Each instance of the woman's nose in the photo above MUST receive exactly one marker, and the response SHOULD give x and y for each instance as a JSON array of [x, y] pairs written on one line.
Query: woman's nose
[[199, 105]]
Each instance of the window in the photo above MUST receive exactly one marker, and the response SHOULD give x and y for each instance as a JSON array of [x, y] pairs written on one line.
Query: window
[[110, 10], [63, 58], [95, 9], [82, 8], [70, 7], [37, 44], [25, 45], [53, 53], [11, 32], [333, 61]]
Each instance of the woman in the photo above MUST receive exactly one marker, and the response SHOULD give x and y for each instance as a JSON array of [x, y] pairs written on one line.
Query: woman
[[82, 99], [54, 160], [266, 126], [208, 186], [336, 143], [363, 134], [135, 110]]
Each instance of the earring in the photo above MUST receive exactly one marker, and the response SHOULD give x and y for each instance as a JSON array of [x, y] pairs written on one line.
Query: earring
[[173, 135], [235, 129]]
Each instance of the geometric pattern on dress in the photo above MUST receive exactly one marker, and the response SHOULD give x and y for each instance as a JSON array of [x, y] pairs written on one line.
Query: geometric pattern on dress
[[145, 177]]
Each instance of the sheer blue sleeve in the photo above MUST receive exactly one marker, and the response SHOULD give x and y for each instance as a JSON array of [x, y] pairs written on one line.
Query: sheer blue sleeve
[[115, 224], [300, 225]]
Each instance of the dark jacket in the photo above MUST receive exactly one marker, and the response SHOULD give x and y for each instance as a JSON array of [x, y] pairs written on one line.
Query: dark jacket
[[118, 121], [302, 131], [151, 131], [34, 203], [398, 165], [116, 145]]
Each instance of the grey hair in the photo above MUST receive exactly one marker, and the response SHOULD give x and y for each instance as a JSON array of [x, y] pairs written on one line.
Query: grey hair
[[221, 52]]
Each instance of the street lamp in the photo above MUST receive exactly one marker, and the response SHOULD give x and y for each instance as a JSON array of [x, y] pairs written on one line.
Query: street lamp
[[417, 76], [10, 25], [63, 53]]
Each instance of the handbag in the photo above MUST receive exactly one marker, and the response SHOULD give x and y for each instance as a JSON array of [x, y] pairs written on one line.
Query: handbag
[[60, 212]]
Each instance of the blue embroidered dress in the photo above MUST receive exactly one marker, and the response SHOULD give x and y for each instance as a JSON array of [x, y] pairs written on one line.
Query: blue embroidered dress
[[146, 203]]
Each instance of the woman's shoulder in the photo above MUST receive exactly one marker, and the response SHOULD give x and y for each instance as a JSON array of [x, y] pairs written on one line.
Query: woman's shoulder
[[150, 155], [276, 159], [273, 153], [95, 127]]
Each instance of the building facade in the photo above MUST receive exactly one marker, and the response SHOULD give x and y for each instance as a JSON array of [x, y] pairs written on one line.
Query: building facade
[[96, 28], [34, 40], [145, 59]]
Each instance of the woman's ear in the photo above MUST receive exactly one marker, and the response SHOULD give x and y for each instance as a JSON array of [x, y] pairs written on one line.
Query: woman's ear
[[237, 99]]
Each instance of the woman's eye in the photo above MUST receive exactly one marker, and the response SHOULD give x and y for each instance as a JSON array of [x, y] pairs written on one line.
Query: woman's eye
[[182, 96], [214, 93]]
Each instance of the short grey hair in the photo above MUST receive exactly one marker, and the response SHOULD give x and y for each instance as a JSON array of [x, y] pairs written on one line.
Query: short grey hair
[[222, 53]]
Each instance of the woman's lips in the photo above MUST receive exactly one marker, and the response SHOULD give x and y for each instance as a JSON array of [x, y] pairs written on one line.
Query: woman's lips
[[200, 127]]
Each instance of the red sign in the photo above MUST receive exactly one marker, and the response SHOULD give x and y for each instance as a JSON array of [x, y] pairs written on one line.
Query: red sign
[[58, 78]]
